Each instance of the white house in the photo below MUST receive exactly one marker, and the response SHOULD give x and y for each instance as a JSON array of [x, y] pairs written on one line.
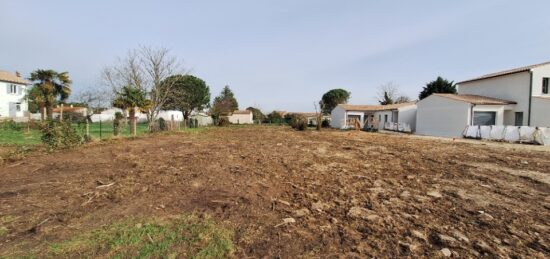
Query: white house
[[447, 115], [12, 96], [345, 116], [241, 117], [516, 97], [527, 86]]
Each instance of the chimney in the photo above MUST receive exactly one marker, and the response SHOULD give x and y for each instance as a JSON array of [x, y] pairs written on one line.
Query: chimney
[[17, 74]]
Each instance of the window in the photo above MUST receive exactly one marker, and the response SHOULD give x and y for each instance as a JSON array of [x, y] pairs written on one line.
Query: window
[[545, 85], [12, 89], [18, 107], [485, 118], [519, 119], [386, 118]]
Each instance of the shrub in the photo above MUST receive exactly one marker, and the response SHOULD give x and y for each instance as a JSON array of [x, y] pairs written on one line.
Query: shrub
[[298, 122], [162, 124], [11, 125], [325, 123], [60, 134], [117, 123], [76, 117], [223, 121]]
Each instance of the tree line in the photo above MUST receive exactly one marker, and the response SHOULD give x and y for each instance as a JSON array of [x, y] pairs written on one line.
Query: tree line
[[146, 80]]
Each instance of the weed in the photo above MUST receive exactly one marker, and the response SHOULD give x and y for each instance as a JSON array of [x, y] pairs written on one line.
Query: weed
[[187, 235]]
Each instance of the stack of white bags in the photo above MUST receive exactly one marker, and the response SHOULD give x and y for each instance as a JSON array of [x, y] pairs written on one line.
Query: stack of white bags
[[512, 134]]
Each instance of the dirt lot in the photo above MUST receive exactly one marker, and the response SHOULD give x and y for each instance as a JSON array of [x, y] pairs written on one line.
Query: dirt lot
[[349, 194]]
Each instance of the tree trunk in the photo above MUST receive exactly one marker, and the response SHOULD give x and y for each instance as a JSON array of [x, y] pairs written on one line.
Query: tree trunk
[[43, 113], [133, 121], [49, 112], [185, 119]]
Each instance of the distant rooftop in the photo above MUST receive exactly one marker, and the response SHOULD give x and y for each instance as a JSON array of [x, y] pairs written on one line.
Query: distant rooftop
[[6, 76], [351, 107], [505, 72]]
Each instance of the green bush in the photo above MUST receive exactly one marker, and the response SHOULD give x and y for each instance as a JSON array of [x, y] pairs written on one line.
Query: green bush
[[60, 134], [11, 125], [75, 117]]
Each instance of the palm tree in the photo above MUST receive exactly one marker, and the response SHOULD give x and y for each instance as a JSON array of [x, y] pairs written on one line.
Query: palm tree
[[49, 88], [132, 99]]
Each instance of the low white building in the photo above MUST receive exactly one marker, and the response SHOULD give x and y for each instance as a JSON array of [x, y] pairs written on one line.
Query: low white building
[[241, 117], [13, 89], [346, 116], [515, 97], [527, 86], [447, 115]]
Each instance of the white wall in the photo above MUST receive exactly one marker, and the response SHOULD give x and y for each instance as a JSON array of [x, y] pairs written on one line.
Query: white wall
[[338, 118], [538, 74], [440, 116], [407, 115], [540, 112], [540, 107], [241, 118], [380, 117], [514, 87], [7, 99]]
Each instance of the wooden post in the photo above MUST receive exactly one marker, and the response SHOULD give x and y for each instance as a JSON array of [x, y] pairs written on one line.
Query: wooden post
[[172, 123], [87, 125], [61, 113]]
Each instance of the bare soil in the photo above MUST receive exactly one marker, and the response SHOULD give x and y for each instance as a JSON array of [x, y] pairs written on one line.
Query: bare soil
[[349, 194]]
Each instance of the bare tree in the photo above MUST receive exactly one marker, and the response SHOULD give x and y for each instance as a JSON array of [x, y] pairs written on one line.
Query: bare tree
[[145, 68], [95, 99], [388, 93]]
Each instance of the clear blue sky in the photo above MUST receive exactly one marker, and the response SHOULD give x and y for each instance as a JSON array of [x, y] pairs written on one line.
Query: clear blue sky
[[282, 54]]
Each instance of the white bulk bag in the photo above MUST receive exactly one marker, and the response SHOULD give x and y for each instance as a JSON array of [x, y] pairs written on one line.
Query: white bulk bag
[[472, 132], [512, 134], [497, 132], [485, 132], [407, 128], [542, 136], [527, 134]]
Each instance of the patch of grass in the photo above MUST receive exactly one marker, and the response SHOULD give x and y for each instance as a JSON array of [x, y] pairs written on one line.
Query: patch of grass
[[186, 236], [19, 137], [3, 231]]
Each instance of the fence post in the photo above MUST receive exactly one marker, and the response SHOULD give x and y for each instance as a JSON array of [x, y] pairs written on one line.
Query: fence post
[[88, 125], [99, 129]]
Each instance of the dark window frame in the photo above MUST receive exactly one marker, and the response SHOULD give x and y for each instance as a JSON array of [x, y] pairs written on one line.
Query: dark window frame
[[545, 83]]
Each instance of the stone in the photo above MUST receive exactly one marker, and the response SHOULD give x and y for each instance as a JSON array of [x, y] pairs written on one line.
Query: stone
[[301, 213], [446, 252], [447, 239], [333, 220], [405, 194], [362, 213], [461, 237], [289, 220], [320, 206], [434, 194], [418, 234], [483, 247]]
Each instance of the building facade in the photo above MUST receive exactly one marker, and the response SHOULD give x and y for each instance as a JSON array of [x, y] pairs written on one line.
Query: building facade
[[13, 89]]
